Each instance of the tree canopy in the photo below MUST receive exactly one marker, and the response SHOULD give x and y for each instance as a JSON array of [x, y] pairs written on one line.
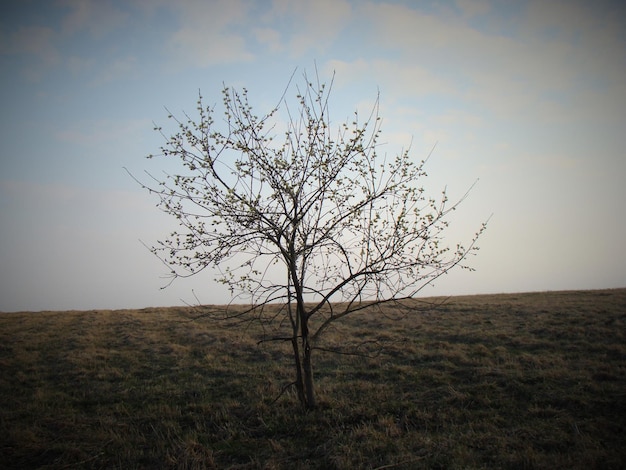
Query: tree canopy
[[304, 213]]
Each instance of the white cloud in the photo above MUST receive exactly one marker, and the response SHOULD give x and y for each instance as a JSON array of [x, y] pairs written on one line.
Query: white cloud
[[208, 32], [78, 65], [34, 41], [532, 74], [594, 32], [98, 17], [122, 68], [315, 25], [269, 37], [558, 18], [472, 8], [102, 131], [399, 80], [48, 44]]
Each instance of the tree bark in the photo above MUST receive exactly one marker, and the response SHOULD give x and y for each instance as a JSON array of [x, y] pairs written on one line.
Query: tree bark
[[299, 379], [308, 374], [307, 365], [304, 373]]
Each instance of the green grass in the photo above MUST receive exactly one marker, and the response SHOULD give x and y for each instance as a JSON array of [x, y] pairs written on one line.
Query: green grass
[[517, 381]]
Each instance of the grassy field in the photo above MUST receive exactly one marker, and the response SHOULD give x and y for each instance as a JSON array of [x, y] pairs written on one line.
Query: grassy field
[[517, 381]]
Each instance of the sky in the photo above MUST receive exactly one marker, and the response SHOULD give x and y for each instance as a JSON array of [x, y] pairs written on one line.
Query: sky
[[527, 97]]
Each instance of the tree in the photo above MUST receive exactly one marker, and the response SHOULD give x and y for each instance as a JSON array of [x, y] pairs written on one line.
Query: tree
[[348, 228]]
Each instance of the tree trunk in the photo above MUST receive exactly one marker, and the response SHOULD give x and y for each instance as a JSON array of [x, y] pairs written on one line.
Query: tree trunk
[[304, 374], [307, 365], [308, 375], [299, 379], [303, 362], [304, 365]]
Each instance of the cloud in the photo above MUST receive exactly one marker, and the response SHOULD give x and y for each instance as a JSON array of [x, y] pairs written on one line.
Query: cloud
[[269, 37], [223, 31], [208, 32], [102, 131], [304, 26], [78, 65], [65, 26], [33, 41], [123, 68], [473, 8], [544, 68], [410, 78], [98, 17], [318, 24]]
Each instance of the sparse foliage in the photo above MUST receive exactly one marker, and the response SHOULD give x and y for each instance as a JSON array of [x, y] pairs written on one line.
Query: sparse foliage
[[310, 216]]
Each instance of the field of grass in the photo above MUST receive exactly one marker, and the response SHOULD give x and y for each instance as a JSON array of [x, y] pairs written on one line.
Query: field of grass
[[517, 381]]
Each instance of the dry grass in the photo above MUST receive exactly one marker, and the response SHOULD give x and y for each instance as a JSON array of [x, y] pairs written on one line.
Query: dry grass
[[505, 381]]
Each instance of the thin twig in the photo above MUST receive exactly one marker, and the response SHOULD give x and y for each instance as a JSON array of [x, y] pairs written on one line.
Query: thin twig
[[283, 391]]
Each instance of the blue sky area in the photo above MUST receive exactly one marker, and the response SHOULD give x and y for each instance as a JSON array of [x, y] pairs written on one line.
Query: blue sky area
[[529, 97]]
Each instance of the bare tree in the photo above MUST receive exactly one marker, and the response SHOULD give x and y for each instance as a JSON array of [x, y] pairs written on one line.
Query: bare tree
[[346, 226]]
